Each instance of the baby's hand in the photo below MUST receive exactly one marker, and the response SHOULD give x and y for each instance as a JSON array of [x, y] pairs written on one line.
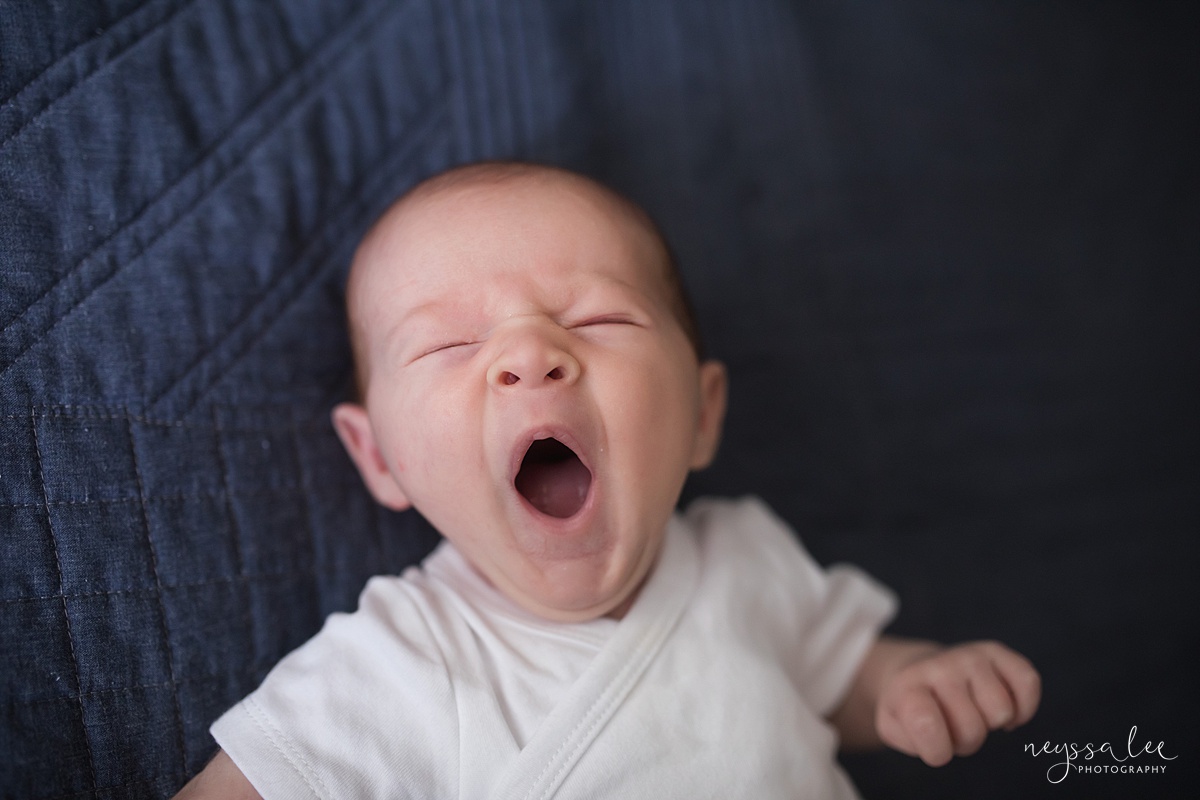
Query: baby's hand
[[944, 704]]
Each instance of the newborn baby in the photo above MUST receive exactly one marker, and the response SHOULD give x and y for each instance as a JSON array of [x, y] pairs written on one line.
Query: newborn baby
[[531, 380]]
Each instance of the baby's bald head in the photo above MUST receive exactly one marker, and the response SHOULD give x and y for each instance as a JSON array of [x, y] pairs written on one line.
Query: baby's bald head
[[489, 176]]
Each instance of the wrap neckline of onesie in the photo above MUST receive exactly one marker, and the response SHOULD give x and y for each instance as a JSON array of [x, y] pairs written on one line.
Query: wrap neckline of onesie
[[549, 756]]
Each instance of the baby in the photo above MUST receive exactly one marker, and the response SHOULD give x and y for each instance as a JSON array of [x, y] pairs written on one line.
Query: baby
[[531, 380]]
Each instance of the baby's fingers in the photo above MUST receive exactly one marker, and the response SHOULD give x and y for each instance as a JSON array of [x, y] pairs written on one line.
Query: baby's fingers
[[966, 721], [993, 699], [914, 724], [1016, 677]]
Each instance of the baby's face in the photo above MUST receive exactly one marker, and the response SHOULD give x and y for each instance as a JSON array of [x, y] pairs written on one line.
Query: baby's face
[[530, 391]]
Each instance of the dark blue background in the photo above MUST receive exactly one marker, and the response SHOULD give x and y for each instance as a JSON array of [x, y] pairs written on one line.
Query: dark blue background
[[948, 249]]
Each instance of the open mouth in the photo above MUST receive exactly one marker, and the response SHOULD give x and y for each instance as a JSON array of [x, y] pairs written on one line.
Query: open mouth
[[553, 479]]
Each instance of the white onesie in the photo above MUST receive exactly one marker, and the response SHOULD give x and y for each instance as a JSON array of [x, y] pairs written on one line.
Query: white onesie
[[714, 684]]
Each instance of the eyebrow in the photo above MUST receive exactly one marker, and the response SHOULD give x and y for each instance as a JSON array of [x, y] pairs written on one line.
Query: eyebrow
[[428, 310]]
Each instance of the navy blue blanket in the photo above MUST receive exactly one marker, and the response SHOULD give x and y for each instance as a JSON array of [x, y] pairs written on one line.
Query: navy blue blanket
[[949, 251]]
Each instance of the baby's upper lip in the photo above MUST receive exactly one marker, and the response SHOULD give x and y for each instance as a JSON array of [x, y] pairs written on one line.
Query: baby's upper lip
[[562, 432]]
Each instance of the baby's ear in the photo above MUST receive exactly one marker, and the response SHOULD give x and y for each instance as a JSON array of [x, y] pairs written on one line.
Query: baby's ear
[[713, 392], [358, 437]]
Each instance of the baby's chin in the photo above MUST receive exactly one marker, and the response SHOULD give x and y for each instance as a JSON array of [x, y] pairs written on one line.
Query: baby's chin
[[571, 593], [554, 610]]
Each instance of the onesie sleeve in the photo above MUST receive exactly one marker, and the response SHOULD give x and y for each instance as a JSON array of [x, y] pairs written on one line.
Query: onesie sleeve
[[854, 610], [363, 709], [819, 622]]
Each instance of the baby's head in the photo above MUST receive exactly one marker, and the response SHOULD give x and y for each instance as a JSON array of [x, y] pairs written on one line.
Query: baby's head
[[530, 380]]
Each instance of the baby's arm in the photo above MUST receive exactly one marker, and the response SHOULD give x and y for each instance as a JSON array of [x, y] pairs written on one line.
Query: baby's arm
[[220, 779], [936, 702]]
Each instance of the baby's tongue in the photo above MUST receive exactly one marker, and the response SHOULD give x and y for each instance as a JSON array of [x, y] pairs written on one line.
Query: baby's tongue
[[553, 479]]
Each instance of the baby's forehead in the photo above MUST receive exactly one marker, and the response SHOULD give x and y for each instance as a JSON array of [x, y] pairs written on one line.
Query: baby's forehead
[[444, 213], [493, 188]]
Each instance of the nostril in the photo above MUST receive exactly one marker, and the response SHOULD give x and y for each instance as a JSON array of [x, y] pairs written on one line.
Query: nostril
[[509, 378], [555, 374]]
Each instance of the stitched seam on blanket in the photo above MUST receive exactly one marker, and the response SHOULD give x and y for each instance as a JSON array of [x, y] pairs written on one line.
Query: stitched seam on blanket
[[120, 413], [295, 80], [379, 184], [374, 181], [176, 497], [262, 485], [246, 578], [257, 577], [235, 532], [169, 782], [58, 567], [172, 497], [218, 678], [306, 500], [164, 627], [114, 32]]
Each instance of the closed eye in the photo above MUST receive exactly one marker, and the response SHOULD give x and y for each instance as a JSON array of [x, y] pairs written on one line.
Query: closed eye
[[441, 348], [607, 319]]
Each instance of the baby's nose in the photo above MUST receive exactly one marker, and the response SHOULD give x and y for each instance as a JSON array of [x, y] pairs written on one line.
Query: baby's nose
[[530, 360]]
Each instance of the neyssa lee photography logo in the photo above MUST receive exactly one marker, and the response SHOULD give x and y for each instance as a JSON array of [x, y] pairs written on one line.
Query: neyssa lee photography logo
[[1130, 757]]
